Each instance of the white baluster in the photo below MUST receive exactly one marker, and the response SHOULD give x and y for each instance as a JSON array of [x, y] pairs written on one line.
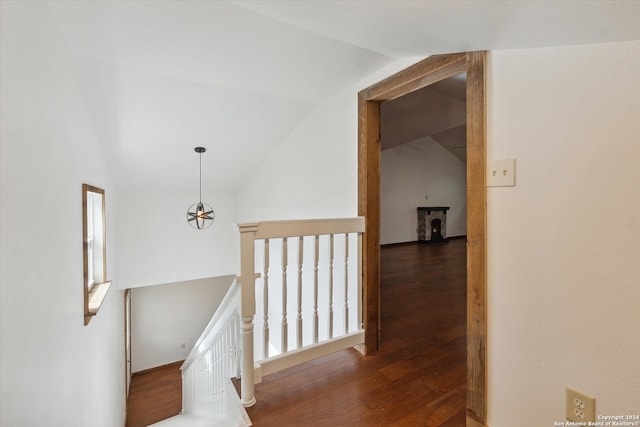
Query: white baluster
[[216, 379], [315, 288], [265, 301], [285, 327], [238, 354], [346, 283], [359, 280], [331, 286], [235, 370], [299, 318]]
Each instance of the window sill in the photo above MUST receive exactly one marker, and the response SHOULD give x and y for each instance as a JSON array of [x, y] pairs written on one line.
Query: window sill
[[95, 297]]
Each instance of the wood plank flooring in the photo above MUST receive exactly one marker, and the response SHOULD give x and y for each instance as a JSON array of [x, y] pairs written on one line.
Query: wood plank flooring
[[154, 395], [418, 378]]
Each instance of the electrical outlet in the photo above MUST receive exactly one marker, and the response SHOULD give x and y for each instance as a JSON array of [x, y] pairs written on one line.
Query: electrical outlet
[[580, 406], [183, 345], [501, 173]]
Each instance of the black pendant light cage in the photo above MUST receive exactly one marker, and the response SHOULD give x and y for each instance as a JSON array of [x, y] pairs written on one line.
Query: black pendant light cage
[[200, 215]]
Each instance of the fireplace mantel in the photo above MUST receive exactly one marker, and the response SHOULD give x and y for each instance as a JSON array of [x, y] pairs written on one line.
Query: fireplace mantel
[[433, 208]]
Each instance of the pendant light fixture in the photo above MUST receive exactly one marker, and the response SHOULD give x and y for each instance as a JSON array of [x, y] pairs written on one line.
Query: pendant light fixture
[[200, 215]]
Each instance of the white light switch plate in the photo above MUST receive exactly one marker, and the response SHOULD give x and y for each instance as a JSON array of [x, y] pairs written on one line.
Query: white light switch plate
[[501, 173]]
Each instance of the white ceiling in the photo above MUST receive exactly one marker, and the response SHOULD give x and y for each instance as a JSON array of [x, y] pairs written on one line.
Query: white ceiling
[[161, 77]]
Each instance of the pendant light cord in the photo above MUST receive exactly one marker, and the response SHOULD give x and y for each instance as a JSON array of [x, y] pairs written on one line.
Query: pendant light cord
[[200, 215]]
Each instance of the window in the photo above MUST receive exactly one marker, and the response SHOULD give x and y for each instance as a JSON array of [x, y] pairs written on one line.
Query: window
[[94, 250]]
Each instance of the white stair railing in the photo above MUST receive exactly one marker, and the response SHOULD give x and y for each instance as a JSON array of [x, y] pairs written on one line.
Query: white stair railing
[[308, 291], [215, 358], [310, 298]]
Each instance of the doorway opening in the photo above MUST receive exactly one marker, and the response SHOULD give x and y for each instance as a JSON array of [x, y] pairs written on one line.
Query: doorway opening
[[418, 76]]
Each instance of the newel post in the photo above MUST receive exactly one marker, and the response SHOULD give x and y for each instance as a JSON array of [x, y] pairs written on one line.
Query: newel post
[[247, 310]]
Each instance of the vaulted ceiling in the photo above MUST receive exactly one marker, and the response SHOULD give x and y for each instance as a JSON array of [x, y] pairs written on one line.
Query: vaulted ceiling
[[438, 111], [161, 77]]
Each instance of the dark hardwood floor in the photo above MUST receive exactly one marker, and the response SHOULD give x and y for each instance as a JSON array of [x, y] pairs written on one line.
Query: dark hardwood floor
[[418, 378], [154, 395]]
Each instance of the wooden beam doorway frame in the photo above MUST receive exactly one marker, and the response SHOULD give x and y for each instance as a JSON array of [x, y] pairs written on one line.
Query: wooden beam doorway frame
[[422, 74]]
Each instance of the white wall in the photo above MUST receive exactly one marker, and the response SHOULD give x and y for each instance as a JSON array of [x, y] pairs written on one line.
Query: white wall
[[166, 316], [564, 243], [409, 172], [156, 245], [313, 173], [54, 370]]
